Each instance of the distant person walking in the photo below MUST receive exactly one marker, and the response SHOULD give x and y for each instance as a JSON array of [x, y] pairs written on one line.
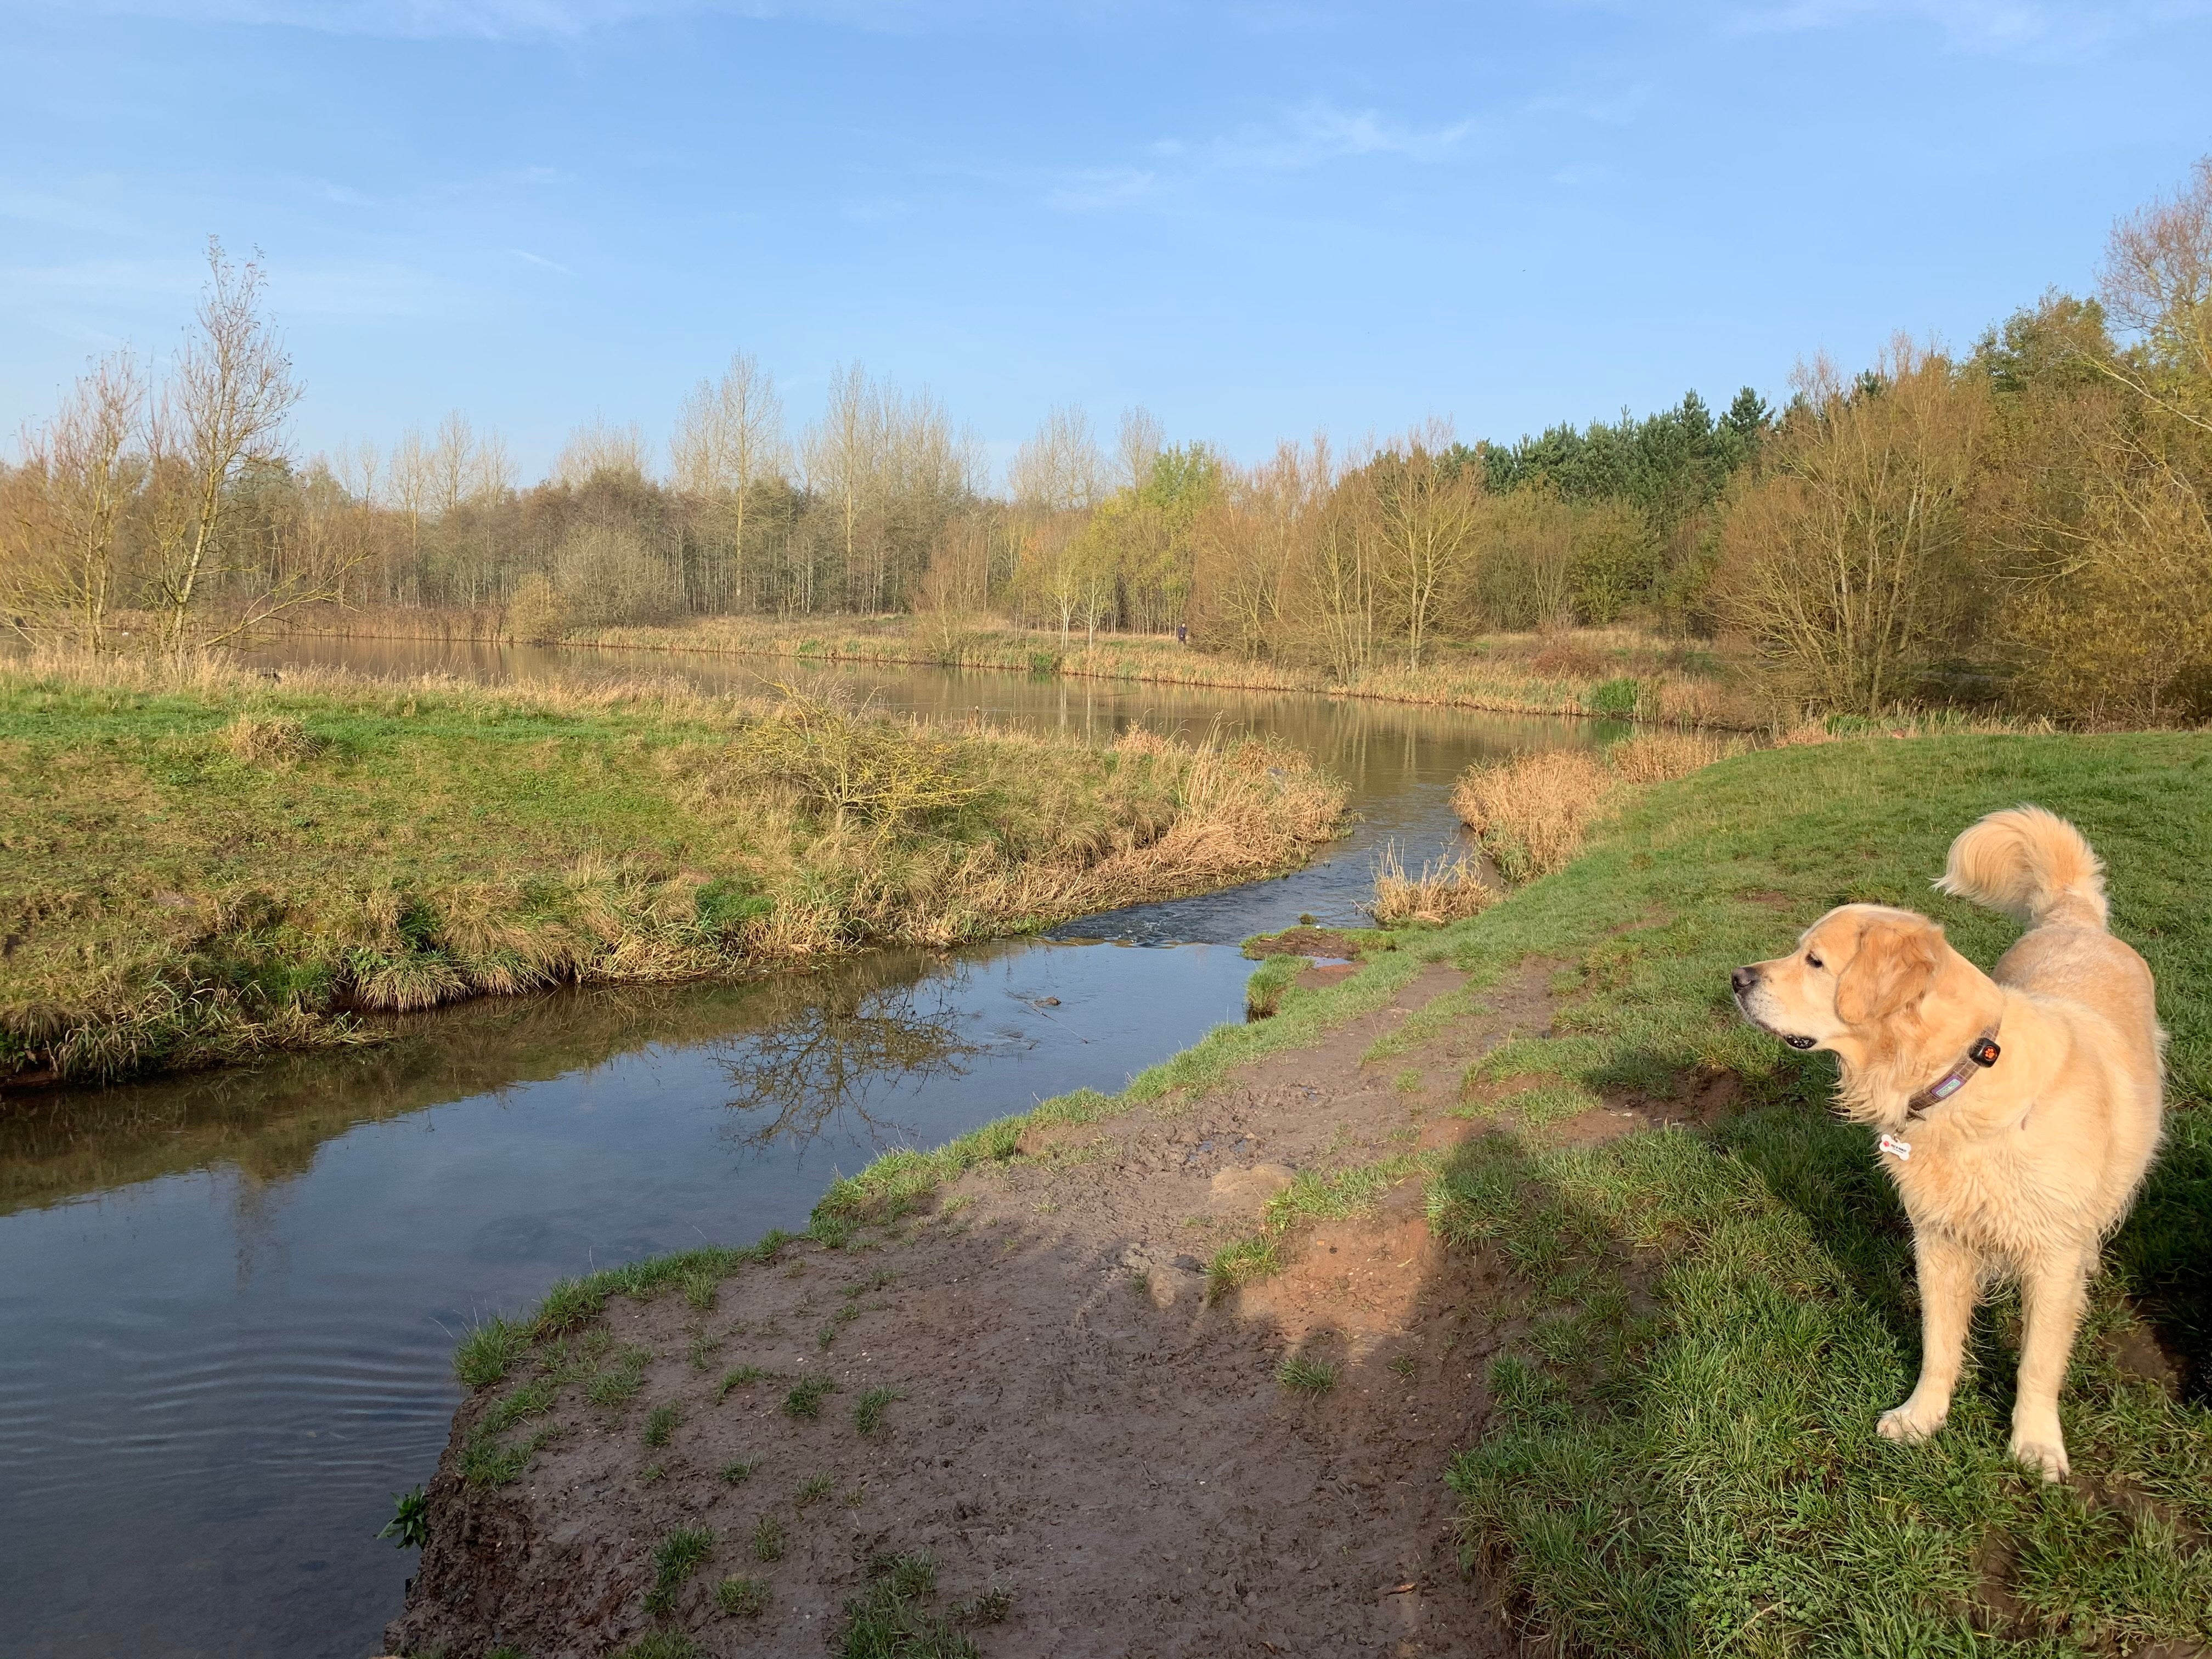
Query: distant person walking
[[1182, 633]]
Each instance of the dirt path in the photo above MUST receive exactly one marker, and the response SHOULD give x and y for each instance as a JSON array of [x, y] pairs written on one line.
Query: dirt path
[[1075, 1425]]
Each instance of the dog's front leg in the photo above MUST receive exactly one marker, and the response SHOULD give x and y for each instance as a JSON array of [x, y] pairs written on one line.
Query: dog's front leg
[[1947, 1279], [2052, 1292]]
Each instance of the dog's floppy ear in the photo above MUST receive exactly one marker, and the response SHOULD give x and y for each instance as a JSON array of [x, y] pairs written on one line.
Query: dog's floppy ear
[[1894, 967]]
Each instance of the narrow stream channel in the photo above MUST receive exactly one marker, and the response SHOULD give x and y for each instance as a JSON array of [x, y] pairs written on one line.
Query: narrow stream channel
[[230, 1300]]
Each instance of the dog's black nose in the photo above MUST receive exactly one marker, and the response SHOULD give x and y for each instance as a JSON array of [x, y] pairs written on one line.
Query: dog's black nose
[[1743, 979]]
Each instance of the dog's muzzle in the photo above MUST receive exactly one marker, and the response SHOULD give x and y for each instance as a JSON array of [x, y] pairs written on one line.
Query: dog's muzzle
[[1743, 982]]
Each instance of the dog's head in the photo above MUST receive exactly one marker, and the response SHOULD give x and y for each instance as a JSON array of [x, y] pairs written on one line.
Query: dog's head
[[1856, 983]]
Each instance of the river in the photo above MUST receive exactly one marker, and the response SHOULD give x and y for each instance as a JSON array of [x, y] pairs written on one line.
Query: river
[[230, 1300]]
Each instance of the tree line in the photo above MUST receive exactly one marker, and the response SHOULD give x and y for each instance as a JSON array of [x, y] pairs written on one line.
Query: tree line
[[2020, 526]]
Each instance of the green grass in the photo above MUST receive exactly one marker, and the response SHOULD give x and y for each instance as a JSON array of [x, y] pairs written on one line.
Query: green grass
[[203, 866], [868, 1410], [660, 1424], [660, 1644], [894, 1619], [741, 1377], [742, 1598], [675, 1559], [737, 1473], [487, 1353], [805, 1399], [768, 1539], [1680, 1457], [1306, 1375], [813, 1490]]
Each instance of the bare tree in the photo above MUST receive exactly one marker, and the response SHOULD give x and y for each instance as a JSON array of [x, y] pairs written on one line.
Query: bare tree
[[1137, 445], [223, 409], [1060, 468], [602, 450], [2157, 281], [1843, 564], [1426, 509], [81, 477], [729, 441], [842, 454]]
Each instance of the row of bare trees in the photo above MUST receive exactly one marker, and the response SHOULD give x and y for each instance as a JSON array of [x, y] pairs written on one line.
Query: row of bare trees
[[2024, 524], [154, 470]]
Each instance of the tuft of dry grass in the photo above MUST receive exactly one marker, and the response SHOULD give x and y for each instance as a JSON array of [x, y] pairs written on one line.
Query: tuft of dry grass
[[1445, 891], [1532, 812], [281, 741], [1658, 756]]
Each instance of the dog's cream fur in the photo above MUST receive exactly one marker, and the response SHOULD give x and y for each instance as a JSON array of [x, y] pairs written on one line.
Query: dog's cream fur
[[2027, 1168]]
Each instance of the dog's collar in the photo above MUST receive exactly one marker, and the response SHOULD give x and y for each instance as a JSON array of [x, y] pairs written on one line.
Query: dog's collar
[[1980, 1055]]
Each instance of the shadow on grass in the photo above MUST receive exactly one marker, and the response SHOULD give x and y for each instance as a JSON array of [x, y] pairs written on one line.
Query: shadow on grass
[[1680, 1454]]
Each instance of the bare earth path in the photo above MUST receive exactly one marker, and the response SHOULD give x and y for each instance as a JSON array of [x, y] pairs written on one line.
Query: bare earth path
[[1075, 1423]]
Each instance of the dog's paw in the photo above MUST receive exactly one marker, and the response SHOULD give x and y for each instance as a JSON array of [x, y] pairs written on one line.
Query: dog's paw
[[1908, 1424], [2041, 1450]]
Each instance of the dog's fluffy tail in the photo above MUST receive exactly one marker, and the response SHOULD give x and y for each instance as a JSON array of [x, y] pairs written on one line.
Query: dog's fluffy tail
[[2030, 863]]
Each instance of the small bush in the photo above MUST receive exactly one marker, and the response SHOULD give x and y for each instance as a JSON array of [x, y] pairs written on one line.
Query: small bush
[[409, 1526], [1615, 699]]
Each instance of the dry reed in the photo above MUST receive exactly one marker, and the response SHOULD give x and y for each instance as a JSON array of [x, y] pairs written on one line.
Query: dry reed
[[1445, 891], [1532, 812]]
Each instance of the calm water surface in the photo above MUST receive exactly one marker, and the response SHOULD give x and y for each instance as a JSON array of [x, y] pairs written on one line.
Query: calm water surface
[[230, 1300]]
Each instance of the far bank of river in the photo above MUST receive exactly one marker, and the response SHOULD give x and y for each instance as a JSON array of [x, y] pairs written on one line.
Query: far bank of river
[[232, 1297]]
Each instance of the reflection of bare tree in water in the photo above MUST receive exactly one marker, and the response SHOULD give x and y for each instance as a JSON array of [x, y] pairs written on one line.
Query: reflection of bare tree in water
[[824, 1063]]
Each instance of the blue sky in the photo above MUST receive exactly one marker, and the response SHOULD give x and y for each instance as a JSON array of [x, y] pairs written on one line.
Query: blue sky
[[1256, 220]]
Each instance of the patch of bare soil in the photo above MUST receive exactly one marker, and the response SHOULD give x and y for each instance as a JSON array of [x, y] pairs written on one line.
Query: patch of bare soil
[[1326, 942], [1074, 1423]]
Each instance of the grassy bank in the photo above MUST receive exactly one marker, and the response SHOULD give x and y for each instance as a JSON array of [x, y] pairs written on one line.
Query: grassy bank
[[1680, 1455], [1682, 1458], [1610, 673], [203, 864]]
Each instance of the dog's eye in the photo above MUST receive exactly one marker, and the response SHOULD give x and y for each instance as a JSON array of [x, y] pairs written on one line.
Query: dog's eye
[[1812, 961]]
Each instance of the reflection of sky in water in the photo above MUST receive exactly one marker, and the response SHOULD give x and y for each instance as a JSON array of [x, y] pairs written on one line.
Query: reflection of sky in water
[[213, 1383], [230, 1301]]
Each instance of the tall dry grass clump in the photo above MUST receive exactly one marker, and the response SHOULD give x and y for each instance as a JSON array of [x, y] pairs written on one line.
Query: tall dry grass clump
[[1445, 891], [1532, 812]]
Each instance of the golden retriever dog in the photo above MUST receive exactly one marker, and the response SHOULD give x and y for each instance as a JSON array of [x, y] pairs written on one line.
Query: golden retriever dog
[[2017, 1111]]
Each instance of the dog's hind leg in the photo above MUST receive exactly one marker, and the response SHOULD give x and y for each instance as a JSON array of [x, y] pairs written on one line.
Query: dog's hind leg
[[1947, 1280], [2053, 1293]]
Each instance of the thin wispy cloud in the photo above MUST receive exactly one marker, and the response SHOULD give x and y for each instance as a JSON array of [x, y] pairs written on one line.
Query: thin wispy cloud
[[540, 259], [1316, 135], [518, 20], [2021, 26]]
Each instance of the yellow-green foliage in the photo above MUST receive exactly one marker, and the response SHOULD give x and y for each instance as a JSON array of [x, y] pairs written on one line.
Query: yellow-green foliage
[[201, 863]]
